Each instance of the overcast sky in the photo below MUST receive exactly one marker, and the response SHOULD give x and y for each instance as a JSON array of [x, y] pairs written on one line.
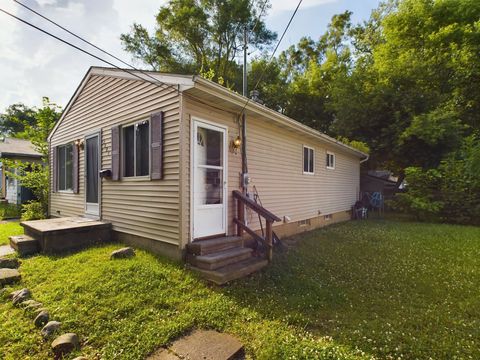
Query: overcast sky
[[33, 65]]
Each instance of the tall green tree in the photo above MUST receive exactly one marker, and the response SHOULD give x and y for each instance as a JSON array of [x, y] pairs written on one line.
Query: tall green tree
[[201, 36], [15, 118], [410, 94]]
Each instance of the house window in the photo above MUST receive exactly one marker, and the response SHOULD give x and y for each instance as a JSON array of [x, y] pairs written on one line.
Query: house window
[[136, 149], [308, 160], [65, 167], [330, 160]]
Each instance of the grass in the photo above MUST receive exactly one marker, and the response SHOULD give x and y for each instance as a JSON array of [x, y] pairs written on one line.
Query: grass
[[385, 289], [8, 229], [396, 290]]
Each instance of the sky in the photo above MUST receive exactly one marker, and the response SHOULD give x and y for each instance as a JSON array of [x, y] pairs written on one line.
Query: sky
[[33, 65]]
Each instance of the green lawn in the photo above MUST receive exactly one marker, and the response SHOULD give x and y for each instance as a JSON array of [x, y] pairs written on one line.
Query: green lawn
[[383, 288], [8, 229]]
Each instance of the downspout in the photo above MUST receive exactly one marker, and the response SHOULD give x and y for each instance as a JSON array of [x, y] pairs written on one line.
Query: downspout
[[244, 176], [366, 159]]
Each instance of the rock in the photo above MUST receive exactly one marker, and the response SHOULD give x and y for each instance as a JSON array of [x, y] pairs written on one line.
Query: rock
[[41, 319], [20, 296], [80, 358], [122, 253], [30, 302], [33, 306], [9, 276], [9, 263], [51, 328], [65, 344]]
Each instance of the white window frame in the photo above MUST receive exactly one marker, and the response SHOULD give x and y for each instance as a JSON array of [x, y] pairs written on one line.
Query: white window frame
[[57, 165], [122, 150], [308, 162], [331, 167]]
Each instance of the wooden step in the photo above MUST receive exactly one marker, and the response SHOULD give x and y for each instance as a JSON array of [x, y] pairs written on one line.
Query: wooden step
[[24, 244], [219, 259], [205, 247], [231, 272]]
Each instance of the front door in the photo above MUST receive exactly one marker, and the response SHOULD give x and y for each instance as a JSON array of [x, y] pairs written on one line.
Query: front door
[[92, 175], [209, 180]]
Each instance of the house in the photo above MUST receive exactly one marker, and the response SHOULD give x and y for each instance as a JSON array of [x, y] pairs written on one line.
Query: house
[[162, 162], [15, 150]]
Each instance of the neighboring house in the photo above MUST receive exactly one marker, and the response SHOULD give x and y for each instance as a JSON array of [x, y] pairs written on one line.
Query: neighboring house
[[169, 161], [16, 149]]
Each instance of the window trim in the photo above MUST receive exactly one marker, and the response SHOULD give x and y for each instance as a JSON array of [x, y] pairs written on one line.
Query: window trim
[[334, 161], [303, 160], [57, 170], [122, 151]]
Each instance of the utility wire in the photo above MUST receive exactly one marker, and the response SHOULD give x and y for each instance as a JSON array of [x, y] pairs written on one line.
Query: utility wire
[[273, 54], [259, 16], [155, 81]]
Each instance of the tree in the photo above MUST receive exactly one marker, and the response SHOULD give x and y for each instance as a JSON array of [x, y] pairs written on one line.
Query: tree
[[199, 36], [15, 118], [35, 176], [410, 93]]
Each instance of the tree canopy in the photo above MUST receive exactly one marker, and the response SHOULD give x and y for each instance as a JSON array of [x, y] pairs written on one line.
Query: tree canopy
[[404, 82], [201, 36]]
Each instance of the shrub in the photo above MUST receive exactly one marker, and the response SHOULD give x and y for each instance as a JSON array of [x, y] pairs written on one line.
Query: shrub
[[450, 193], [34, 210], [9, 211]]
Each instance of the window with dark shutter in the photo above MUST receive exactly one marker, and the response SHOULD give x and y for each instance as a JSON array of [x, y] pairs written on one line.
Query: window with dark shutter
[[156, 144], [64, 170], [136, 149], [54, 169], [115, 153], [75, 157]]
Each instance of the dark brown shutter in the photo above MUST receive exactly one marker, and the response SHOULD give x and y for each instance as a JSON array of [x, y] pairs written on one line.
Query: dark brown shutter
[[156, 143], [116, 153], [75, 158], [53, 169]]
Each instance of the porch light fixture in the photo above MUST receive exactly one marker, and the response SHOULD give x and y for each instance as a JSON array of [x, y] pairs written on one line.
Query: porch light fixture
[[79, 143], [236, 143]]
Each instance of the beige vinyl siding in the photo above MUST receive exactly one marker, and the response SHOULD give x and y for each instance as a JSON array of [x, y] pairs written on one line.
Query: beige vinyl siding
[[275, 164], [136, 206]]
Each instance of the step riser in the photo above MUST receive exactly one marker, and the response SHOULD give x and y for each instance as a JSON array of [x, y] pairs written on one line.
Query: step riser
[[24, 247], [201, 249], [223, 278], [216, 265]]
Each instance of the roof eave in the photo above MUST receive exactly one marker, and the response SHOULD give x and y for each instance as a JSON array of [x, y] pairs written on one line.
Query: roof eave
[[203, 84]]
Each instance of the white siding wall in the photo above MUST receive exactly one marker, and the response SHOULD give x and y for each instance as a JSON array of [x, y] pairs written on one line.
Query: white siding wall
[[275, 164], [139, 207]]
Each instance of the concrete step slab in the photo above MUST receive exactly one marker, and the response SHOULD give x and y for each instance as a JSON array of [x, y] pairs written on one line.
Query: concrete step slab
[[9, 276]]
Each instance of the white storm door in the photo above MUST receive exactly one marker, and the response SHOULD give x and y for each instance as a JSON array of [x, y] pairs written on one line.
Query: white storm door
[[209, 180], [92, 175]]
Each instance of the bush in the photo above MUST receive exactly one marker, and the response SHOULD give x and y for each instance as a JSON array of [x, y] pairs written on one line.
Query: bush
[[9, 211], [450, 193], [34, 210]]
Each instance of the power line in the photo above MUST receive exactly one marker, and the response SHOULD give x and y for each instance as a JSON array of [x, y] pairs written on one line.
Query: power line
[[273, 53], [259, 16], [155, 81], [84, 40]]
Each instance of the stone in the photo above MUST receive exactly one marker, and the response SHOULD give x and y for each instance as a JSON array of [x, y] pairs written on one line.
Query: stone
[[122, 253], [51, 328], [80, 358], [41, 319], [30, 302], [208, 345], [20, 296], [13, 263], [65, 344], [33, 306], [9, 276]]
